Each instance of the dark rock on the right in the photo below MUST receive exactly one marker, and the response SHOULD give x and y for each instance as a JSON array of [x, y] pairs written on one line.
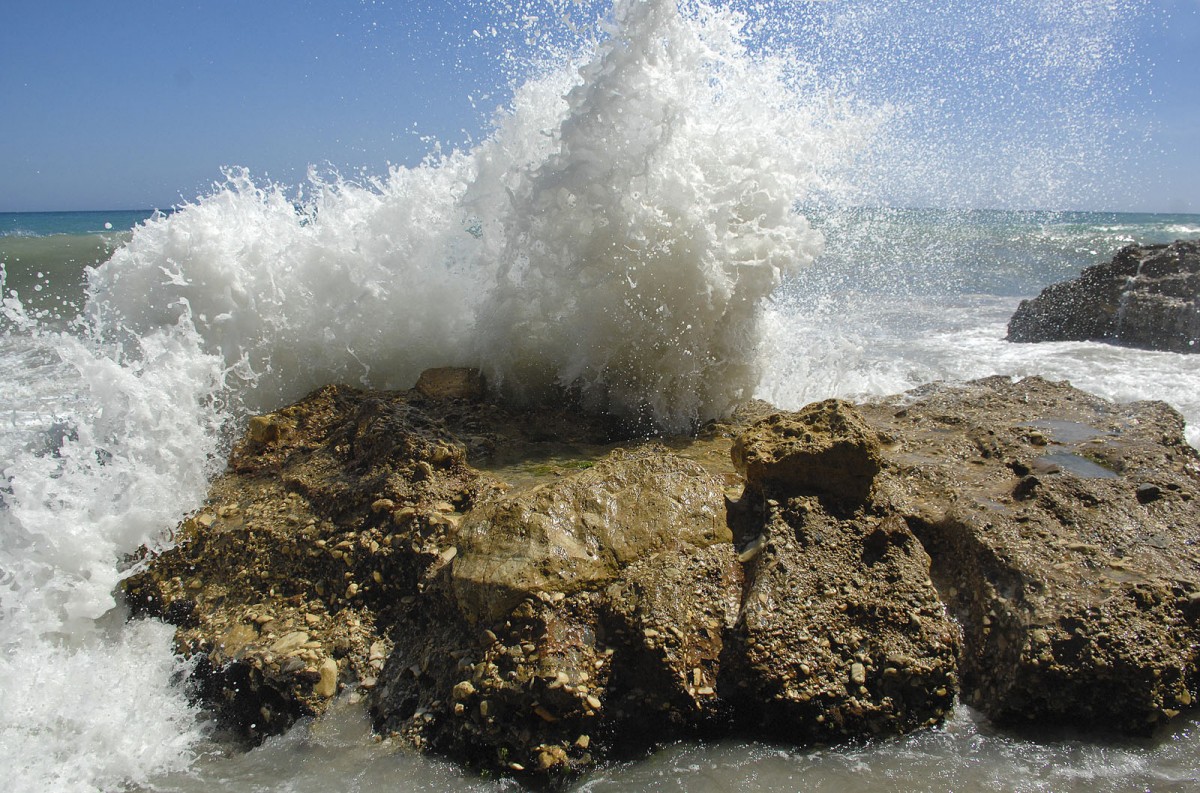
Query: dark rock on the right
[[1148, 297]]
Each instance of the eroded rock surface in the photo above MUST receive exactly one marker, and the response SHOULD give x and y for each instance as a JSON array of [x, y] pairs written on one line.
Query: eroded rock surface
[[521, 592], [841, 632], [1065, 533], [1148, 296]]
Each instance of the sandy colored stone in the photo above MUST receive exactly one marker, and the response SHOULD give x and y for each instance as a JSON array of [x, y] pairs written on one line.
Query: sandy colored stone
[[292, 641], [579, 531], [640, 590], [826, 449], [1073, 590], [326, 686], [452, 383], [837, 586]]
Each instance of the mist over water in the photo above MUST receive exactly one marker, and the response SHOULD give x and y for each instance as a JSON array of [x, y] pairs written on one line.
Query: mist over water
[[666, 217]]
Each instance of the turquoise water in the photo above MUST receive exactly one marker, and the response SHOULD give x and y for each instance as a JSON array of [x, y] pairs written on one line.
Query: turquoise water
[[44, 224], [44, 255]]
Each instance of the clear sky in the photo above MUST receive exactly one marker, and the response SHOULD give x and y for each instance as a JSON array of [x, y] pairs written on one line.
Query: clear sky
[[135, 105]]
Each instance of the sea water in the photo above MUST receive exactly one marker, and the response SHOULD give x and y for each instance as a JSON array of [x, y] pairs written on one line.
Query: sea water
[[669, 218], [45, 255]]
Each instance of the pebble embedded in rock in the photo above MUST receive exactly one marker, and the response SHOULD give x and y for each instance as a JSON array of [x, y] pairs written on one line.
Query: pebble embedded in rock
[[292, 641], [326, 687], [1148, 493]]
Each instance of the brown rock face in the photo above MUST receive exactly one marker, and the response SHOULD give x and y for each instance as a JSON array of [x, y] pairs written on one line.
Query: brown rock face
[[826, 450], [518, 591], [841, 632], [1065, 534], [452, 383], [284, 582], [1147, 296], [581, 532]]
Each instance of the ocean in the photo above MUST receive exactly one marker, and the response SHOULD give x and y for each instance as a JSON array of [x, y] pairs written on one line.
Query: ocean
[[607, 235]]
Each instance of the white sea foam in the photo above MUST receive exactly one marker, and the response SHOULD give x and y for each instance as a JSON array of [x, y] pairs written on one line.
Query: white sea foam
[[95, 714], [618, 231], [356, 284], [633, 259], [616, 235], [856, 345], [125, 447]]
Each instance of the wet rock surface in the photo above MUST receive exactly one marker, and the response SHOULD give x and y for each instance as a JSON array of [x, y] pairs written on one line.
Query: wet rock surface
[[1065, 534], [841, 632], [1148, 296], [531, 594]]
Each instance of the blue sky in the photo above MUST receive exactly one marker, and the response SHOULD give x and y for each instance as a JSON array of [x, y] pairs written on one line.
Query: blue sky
[[139, 105]]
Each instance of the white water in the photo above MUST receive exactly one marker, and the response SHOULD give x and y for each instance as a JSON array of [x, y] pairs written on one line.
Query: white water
[[862, 344], [617, 233], [102, 457], [608, 237]]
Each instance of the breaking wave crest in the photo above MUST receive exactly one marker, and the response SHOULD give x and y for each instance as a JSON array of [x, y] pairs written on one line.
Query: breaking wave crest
[[615, 235]]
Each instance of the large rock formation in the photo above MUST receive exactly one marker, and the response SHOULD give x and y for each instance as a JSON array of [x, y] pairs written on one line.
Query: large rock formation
[[840, 631], [523, 593], [1065, 534], [1147, 296]]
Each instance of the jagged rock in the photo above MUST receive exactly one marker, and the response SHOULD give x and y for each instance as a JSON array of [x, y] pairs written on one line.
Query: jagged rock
[[1074, 591], [825, 450], [515, 590], [452, 383], [552, 609], [674, 613], [1147, 296], [841, 633], [290, 545]]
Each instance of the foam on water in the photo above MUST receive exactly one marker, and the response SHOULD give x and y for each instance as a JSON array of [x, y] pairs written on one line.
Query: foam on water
[[859, 344], [122, 450], [964, 754], [359, 285], [96, 715]]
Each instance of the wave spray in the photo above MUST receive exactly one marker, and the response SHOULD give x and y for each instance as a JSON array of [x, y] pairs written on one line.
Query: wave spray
[[616, 235]]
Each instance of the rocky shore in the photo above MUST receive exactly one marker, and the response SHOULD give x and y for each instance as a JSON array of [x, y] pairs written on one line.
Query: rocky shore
[[533, 592], [1148, 297]]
